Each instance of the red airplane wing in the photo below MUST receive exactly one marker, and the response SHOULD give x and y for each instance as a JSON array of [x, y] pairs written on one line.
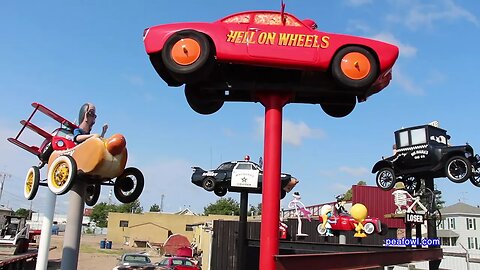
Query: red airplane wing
[[31, 149], [36, 129], [54, 115]]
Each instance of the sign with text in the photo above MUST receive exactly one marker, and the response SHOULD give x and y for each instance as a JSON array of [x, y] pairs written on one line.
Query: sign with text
[[245, 178], [414, 218]]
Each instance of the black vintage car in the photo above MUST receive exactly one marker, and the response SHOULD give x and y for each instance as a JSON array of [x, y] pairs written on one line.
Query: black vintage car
[[237, 176], [422, 152]]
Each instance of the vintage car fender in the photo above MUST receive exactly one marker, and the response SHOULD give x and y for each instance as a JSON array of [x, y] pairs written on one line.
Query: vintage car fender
[[382, 164], [93, 158]]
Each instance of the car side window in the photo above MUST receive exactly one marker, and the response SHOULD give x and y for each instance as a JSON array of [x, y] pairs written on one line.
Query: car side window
[[164, 262], [242, 18], [244, 166], [403, 137], [419, 136], [226, 166]]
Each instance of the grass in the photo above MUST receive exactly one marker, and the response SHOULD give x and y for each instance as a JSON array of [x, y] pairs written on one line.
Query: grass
[[90, 249]]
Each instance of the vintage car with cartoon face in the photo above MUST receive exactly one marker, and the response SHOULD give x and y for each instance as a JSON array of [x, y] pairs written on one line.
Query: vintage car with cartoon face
[[237, 176], [96, 161], [227, 60], [345, 222], [422, 152]]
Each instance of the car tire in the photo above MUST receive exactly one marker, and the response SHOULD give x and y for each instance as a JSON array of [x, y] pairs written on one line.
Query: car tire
[[32, 181], [458, 169], [475, 180], [129, 185], [383, 229], [385, 178], [369, 228], [203, 101], [354, 67], [412, 184], [188, 56], [321, 230], [220, 191], [339, 106], [92, 194], [209, 184], [61, 174]]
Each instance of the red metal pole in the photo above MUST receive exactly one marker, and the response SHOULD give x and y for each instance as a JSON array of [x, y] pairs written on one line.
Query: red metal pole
[[269, 241]]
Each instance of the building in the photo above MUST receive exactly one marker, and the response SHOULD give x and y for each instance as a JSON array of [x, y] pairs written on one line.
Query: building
[[459, 226]]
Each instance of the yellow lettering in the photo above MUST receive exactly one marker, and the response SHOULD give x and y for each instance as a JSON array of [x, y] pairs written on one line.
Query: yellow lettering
[[251, 39], [308, 41], [240, 36], [325, 42], [245, 38], [262, 37], [270, 38], [232, 36], [301, 40], [283, 39], [293, 40], [315, 42]]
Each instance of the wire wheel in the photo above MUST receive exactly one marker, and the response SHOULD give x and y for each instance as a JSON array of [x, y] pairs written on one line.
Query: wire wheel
[[32, 181], [385, 178], [61, 174], [458, 169]]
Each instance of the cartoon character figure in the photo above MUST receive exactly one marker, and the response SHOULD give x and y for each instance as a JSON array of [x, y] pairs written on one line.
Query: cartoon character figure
[[404, 201], [359, 213], [86, 119], [282, 228], [326, 211], [300, 211]]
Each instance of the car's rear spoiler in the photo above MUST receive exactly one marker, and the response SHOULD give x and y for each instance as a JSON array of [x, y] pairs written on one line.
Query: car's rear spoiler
[[195, 168]]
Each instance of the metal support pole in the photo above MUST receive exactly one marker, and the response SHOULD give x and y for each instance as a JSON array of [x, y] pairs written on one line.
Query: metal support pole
[[71, 242], [408, 232], [418, 233], [432, 227], [46, 235], [269, 240], [242, 232]]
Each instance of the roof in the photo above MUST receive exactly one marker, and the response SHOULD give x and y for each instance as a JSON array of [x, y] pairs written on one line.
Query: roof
[[185, 212], [444, 233], [460, 208]]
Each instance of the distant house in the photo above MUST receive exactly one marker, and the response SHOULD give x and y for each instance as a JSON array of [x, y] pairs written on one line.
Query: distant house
[[459, 226]]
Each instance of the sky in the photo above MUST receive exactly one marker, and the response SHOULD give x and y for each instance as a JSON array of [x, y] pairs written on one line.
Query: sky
[[65, 53]]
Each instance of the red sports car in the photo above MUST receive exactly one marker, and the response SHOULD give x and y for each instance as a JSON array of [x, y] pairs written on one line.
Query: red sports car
[[229, 59], [345, 222]]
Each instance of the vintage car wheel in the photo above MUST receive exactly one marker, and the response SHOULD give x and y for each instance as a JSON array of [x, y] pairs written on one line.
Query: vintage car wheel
[[208, 183], [354, 67], [187, 55], [61, 174], [129, 185], [32, 181], [458, 169], [475, 180], [321, 230], [385, 178], [368, 228], [339, 107], [92, 194], [203, 101], [412, 184], [220, 191]]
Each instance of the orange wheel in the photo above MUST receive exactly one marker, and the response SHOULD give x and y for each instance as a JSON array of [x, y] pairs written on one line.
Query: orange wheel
[[188, 57], [355, 66], [185, 51]]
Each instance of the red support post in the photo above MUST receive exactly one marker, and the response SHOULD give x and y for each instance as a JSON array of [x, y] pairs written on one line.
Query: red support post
[[269, 241]]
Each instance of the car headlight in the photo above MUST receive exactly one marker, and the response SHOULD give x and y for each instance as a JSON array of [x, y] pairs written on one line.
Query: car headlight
[[468, 154]]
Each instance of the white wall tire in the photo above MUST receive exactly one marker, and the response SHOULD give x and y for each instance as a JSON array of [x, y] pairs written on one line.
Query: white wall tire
[[368, 228], [61, 174], [32, 181]]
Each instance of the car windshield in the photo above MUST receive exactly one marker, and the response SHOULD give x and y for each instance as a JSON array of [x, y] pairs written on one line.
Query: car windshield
[[181, 262], [136, 259], [228, 166], [62, 132]]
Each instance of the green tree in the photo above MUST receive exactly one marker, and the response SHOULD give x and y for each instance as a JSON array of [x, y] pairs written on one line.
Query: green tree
[[133, 207], [348, 195], [155, 208], [223, 206], [22, 212], [100, 213]]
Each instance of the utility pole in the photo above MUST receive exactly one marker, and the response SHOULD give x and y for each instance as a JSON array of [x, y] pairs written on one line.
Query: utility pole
[[3, 176], [161, 203], [110, 197]]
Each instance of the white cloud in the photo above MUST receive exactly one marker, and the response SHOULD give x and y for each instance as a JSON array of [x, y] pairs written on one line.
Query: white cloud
[[357, 3], [355, 172], [135, 80], [293, 132], [405, 49], [419, 14], [406, 83]]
